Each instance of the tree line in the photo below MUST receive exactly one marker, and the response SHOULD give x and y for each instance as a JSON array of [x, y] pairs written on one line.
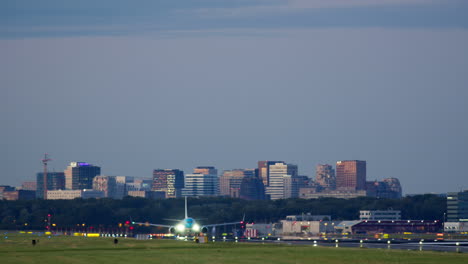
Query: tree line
[[32, 214]]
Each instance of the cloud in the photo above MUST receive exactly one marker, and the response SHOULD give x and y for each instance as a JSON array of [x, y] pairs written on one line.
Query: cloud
[[300, 4], [292, 6], [89, 18]]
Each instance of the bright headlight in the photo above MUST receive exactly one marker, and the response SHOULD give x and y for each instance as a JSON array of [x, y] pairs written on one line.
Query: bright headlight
[[180, 227], [196, 228]]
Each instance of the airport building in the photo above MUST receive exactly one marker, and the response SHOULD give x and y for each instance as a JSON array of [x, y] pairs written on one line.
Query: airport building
[[170, 181], [80, 175], [305, 228], [380, 215], [455, 227], [391, 227]]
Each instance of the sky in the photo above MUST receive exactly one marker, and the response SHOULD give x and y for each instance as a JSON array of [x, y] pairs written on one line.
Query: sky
[[133, 86]]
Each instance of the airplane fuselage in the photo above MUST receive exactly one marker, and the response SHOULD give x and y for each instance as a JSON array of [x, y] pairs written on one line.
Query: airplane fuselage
[[186, 226]]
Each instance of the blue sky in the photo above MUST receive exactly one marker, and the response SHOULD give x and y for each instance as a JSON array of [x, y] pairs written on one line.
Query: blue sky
[[178, 84]]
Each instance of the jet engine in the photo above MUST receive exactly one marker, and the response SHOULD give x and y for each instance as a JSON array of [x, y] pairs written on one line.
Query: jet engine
[[172, 230]]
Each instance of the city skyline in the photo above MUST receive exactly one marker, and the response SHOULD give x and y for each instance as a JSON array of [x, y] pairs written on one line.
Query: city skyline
[[134, 87], [313, 175]]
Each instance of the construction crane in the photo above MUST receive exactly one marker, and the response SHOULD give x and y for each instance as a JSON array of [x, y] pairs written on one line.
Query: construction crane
[[44, 161]]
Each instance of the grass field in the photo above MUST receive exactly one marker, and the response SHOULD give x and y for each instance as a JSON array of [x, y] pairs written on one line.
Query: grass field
[[19, 249]]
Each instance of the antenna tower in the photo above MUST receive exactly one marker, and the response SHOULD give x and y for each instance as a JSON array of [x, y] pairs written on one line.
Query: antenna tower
[[44, 161]]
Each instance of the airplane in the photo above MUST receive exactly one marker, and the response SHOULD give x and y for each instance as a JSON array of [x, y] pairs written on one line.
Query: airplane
[[188, 225]]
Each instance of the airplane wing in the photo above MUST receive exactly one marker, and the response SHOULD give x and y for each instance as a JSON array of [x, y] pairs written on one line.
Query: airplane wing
[[149, 224], [223, 224]]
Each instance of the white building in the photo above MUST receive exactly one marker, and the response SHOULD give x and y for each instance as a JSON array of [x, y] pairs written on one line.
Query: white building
[[204, 182], [121, 184], [456, 226], [281, 181], [308, 227], [380, 215]]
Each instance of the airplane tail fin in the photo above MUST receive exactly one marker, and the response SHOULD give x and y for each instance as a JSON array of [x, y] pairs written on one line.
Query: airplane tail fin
[[186, 214]]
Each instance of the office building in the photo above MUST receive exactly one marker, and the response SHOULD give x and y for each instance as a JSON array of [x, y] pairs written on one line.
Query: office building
[[108, 185], [264, 170], [55, 181], [170, 181], [72, 194], [281, 177], [252, 188], [19, 195], [325, 177], [389, 188], [29, 186], [312, 193], [5, 188], [230, 181], [351, 175], [122, 182], [80, 175], [203, 182]]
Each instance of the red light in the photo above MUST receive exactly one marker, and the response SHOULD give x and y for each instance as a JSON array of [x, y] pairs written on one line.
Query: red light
[[127, 222], [131, 228], [49, 215]]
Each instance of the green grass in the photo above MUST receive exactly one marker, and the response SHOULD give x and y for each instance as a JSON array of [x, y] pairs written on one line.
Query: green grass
[[18, 249]]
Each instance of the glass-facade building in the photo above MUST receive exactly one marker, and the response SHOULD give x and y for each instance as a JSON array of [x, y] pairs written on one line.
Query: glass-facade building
[[170, 181], [55, 181], [457, 206], [80, 175], [351, 175]]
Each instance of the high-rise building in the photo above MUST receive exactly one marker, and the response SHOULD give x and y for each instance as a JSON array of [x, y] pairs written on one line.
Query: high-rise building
[[351, 175], [107, 184], [325, 176], [55, 181], [252, 188], [264, 170], [169, 181], [457, 206], [80, 175], [203, 182], [230, 181], [122, 182], [281, 177]]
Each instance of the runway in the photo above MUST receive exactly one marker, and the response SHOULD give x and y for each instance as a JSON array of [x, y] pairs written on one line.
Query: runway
[[443, 246]]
